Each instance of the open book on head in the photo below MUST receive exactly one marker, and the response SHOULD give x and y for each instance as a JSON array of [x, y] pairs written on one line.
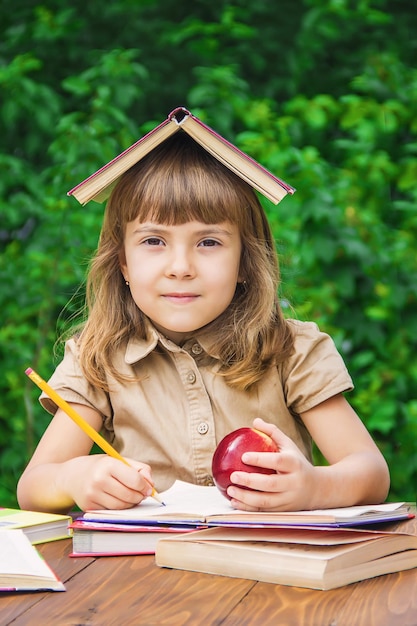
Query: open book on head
[[99, 185], [197, 505]]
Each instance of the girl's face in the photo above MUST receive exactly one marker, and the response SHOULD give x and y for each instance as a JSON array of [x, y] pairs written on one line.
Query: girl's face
[[183, 276]]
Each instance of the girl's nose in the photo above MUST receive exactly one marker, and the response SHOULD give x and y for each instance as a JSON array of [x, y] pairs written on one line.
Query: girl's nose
[[181, 265]]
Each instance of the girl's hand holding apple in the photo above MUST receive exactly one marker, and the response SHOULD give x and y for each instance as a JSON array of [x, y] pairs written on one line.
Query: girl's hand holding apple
[[262, 469]]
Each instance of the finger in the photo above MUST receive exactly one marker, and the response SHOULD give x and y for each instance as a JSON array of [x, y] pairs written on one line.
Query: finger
[[139, 466], [273, 431], [143, 469], [112, 494], [259, 482], [266, 460], [264, 483], [145, 482], [127, 494], [132, 483], [278, 462], [249, 500], [109, 501]]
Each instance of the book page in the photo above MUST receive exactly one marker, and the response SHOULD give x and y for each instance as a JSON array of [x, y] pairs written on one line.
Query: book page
[[19, 557], [182, 499], [185, 501]]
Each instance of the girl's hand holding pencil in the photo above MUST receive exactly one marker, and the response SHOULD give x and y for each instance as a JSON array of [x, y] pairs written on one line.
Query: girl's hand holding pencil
[[84, 425]]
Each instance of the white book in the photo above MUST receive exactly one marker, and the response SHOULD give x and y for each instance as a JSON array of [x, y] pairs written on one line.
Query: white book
[[22, 568]]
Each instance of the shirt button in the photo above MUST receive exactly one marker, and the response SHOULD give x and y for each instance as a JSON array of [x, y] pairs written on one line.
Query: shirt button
[[190, 377], [196, 349], [203, 428]]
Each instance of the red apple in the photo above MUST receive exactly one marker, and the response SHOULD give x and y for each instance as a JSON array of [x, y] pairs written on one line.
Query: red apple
[[227, 457]]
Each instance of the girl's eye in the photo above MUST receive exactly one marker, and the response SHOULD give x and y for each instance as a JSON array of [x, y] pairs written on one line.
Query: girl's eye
[[209, 243], [153, 241]]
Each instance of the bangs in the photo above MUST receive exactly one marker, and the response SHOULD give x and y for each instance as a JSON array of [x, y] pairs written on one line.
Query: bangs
[[180, 182], [197, 194]]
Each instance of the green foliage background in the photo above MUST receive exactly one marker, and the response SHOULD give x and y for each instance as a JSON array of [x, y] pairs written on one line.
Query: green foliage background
[[322, 92]]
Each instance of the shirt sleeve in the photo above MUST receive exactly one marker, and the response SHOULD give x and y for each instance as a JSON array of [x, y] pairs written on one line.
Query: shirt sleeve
[[315, 371], [69, 381]]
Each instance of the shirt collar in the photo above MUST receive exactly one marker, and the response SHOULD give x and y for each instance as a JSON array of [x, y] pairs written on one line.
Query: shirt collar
[[138, 349]]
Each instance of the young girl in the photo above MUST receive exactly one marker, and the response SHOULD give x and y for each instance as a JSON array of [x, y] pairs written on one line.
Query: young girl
[[184, 342]]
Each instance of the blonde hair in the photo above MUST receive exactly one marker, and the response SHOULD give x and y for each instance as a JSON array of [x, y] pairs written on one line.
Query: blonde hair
[[176, 183]]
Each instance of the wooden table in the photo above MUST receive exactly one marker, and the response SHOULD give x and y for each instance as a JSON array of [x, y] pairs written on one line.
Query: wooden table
[[123, 591]]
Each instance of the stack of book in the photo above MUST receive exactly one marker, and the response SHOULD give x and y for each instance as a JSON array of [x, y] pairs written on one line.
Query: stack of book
[[314, 558], [198, 530]]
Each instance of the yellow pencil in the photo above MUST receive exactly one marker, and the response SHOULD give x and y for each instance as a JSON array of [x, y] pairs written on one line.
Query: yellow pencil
[[85, 426]]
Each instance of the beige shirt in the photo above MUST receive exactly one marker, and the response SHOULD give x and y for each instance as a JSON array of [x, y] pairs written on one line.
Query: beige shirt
[[176, 413]]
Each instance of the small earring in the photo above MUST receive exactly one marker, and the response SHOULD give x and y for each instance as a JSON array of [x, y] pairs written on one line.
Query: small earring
[[127, 282]]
